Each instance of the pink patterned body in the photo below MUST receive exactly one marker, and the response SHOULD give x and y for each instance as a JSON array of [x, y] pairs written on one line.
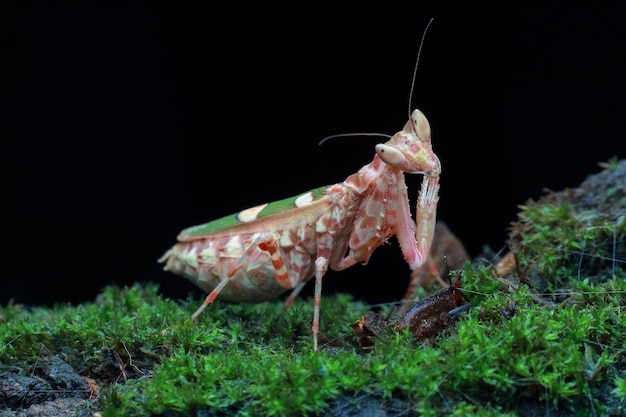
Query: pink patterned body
[[264, 256]]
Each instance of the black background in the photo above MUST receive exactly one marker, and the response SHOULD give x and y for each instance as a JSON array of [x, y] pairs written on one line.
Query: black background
[[125, 123]]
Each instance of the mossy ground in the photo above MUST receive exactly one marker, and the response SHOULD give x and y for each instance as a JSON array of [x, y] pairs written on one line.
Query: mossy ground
[[545, 338]]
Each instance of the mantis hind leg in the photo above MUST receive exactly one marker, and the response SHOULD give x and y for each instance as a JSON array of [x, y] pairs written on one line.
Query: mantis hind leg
[[266, 243]]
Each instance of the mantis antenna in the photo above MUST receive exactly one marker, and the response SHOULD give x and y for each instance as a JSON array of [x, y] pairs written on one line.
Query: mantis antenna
[[338, 135], [419, 52]]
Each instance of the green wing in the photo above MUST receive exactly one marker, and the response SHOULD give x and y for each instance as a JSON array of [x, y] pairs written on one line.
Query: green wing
[[278, 215]]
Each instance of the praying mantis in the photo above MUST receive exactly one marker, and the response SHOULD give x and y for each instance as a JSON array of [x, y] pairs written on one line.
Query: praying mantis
[[259, 253]]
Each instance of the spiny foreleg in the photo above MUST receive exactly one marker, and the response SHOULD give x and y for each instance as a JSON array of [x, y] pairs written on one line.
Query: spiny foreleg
[[426, 214]]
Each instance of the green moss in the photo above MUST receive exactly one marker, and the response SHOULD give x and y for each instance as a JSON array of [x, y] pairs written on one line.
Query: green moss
[[574, 233], [251, 359], [556, 236]]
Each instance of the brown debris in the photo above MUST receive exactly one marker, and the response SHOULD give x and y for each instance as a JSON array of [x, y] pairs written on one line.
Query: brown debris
[[426, 319]]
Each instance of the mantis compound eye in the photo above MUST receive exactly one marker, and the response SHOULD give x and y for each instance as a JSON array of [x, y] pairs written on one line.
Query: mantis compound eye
[[390, 155], [421, 127]]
